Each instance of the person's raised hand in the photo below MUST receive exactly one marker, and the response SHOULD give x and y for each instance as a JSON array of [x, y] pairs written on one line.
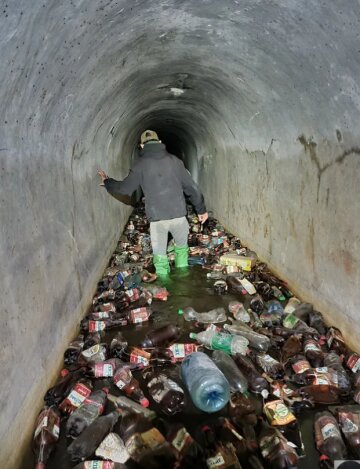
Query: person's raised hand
[[102, 175], [203, 217]]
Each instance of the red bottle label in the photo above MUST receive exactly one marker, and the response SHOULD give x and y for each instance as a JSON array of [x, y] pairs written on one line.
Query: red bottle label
[[139, 315], [353, 362], [133, 294], [95, 326], [77, 396], [300, 366]]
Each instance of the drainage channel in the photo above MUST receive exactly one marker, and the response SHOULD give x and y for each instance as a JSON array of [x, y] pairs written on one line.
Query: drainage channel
[[186, 287]]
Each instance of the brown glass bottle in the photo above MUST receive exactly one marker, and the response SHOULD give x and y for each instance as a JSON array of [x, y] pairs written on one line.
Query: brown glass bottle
[[169, 396]]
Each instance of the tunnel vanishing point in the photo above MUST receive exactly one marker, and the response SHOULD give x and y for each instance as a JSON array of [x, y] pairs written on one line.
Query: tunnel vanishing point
[[261, 99]]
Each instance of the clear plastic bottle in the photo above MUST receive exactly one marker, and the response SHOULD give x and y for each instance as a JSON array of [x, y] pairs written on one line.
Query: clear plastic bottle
[[239, 312], [208, 387], [214, 316], [258, 341], [233, 344], [226, 364]]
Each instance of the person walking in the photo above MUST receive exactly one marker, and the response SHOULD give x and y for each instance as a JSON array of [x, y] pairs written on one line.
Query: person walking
[[164, 180]]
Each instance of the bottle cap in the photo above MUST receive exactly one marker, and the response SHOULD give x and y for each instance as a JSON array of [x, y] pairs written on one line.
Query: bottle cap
[[181, 311], [64, 372], [192, 335], [106, 390], [144, 402], [265, 393]]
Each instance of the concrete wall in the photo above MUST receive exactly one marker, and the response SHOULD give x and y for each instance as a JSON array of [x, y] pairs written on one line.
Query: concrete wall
[[265, 94]]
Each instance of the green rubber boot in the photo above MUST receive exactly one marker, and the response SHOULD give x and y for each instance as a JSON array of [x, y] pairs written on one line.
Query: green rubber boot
[[161, 264], [181, 256]]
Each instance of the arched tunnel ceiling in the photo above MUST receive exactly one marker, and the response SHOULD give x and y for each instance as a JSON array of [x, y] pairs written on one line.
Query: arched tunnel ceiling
[[243, 69]]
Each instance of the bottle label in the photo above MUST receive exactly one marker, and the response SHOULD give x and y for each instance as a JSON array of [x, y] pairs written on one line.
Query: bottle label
[[180, 351], [290, 321], [103, 370], [268, 444], [353, 362], [99, 465], [279, 389], [133, 294], [140, 356], [153, 438], [122, 377], [326, 376], [139, 315], [90, 352], [107, 307], [311, 345], [215, 461], [52, 425], [182, 439], [78, 395], [160, 386], [277, 413], [334, 334], [95, 326], [347, 422], [356, 396], [300, 366], [330, 430], [101, 314]]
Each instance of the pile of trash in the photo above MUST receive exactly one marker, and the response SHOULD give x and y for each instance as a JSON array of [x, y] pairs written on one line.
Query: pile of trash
[[229, 394]]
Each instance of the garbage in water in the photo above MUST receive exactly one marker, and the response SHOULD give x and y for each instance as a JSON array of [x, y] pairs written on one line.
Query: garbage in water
[[229, 385]]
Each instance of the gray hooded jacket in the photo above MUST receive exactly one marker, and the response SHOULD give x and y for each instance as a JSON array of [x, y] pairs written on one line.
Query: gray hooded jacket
[[164, 180]]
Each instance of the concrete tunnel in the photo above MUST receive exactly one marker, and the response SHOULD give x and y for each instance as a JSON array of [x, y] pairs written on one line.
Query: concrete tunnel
[[260, 99]]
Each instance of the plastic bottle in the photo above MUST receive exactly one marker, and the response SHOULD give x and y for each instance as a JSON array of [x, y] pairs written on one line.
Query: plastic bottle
[[317, 322], [349, 423], [216, 453], [208, 387], [257, 304], [95, 354], [85, 444], [235, 286], [320, 393], [103, 369], [257, 341], [213, 316], [118, 345], [232, 344], [46, 435], [74, 349], [77, 395], [328, 439], [166, 392], [82, 417], [92, 339], [335, 341], [239, 312], [280, 416], [256, 382], [216, 275], [91, 325], [142, 439], [291, 305], [275, 448], [242, 409], [56, 393], [189, 453], [275, 307], [159, 336], [267, 363], [313, 353], [126, 382], [179, 351], [226, 364], [249, 287], [352, 362], [292, 347]]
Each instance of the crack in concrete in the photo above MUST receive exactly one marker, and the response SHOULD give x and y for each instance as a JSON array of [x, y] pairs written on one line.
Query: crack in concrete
[[310, 147]]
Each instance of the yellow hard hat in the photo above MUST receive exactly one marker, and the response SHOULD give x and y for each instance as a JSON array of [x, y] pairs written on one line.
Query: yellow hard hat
[[147, 136]]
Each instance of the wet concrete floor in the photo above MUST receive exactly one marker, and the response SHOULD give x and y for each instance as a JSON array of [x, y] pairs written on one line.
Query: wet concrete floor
[[187, 288]]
